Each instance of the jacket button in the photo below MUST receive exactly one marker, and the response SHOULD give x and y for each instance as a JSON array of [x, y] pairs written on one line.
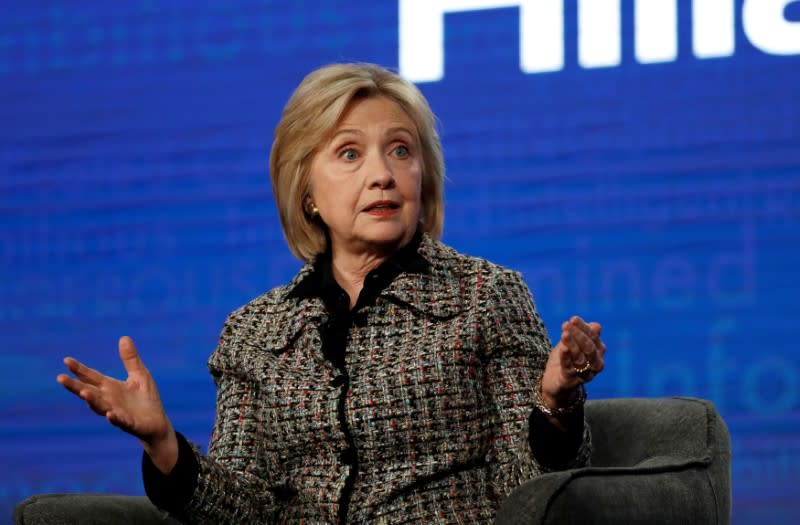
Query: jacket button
[[348, 456], [337, 381]]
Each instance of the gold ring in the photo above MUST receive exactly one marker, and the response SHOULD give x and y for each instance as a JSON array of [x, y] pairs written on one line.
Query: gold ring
[[583, 370]]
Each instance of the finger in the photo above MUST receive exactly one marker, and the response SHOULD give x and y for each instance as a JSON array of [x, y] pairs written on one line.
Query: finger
[[88, 375], [600, 362], [593, 348], [129, 355], [94, 398], [601, 349], [564, 355], [587, 345], [578, 324], [582, 345], [585, 353], [570, 367], [88, 393], [73, 385], [118, 419], [590, 329], [598, 365], [596, 329], [566, 368], [575, 357]]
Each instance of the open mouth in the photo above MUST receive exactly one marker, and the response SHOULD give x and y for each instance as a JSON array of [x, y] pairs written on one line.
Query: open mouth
[[384, 206]]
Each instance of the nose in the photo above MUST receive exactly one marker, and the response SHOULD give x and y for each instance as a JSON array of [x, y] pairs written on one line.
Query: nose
[[379, 172]]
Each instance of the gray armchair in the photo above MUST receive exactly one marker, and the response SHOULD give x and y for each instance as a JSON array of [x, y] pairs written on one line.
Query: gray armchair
[[655, 461]]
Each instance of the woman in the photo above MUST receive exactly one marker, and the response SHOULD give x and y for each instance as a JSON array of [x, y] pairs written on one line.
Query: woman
[[393, 379]]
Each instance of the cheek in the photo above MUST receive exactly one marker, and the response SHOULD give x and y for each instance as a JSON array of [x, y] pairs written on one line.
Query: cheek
[[316, 182], [418, 182], [414, 179], [327, 186], [413, 194]]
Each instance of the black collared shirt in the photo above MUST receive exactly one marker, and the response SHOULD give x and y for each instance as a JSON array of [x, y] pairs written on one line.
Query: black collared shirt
[[321, 283]]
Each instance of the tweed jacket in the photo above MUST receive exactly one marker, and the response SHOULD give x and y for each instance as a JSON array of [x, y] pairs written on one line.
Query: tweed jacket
[[441, 373]]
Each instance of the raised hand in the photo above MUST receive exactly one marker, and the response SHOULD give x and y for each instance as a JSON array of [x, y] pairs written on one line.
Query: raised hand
[[132, 405], [577, 358]]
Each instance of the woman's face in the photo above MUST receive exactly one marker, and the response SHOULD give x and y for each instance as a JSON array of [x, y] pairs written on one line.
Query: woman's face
[[366, 181]]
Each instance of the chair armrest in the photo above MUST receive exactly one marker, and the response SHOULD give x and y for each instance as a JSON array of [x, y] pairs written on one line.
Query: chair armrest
[[89, 509], [663, 460]]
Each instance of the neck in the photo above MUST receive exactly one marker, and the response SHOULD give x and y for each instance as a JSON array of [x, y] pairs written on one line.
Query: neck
[[351, 269]]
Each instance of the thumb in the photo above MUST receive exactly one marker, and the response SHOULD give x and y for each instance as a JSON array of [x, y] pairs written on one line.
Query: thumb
[[130, 358]]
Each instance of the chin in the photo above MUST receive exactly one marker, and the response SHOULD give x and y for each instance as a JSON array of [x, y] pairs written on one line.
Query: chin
[[393, 238]]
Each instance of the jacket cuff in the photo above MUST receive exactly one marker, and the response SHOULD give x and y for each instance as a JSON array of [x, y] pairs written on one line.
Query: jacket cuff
[[553, 448], [172, 492]]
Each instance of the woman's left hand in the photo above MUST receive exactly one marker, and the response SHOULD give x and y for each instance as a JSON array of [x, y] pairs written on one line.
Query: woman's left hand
[[576, 359]]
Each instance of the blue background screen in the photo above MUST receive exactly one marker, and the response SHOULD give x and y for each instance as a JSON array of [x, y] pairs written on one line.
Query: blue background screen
[[658, 193]]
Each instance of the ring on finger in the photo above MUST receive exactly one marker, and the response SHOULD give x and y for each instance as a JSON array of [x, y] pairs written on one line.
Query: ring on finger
[[583, 371]]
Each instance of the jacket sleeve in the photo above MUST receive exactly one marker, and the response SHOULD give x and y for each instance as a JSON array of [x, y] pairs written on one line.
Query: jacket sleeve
[[516, 349], [232, 484]]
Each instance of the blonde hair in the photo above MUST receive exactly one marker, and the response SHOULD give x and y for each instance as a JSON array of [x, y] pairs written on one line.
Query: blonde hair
[[310, 119]]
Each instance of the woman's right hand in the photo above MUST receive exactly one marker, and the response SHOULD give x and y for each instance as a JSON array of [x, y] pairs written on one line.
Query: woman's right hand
[[132, 405]]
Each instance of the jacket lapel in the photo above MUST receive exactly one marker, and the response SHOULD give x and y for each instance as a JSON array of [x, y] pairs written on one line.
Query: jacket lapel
[[435, 292], [291, 315], [291, 319]]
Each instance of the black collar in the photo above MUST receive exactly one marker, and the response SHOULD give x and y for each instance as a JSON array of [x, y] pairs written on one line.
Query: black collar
[[321, 283]]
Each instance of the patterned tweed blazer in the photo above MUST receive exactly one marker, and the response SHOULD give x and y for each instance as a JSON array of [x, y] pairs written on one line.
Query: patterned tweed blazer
[[441, 374]]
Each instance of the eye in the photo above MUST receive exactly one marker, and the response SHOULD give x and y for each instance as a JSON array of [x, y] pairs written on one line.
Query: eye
[[401, 151], [348, 154]]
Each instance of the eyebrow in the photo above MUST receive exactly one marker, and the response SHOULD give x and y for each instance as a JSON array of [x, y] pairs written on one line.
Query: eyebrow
[[355, 131]]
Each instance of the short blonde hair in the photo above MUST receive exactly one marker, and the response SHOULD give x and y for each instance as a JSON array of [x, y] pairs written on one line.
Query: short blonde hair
[[310, 119]]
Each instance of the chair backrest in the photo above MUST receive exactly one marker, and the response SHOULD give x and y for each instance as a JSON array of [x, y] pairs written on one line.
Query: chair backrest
[[627, 432]]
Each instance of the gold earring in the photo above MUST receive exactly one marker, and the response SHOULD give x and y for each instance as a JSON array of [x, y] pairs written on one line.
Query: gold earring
[[313, 211]]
